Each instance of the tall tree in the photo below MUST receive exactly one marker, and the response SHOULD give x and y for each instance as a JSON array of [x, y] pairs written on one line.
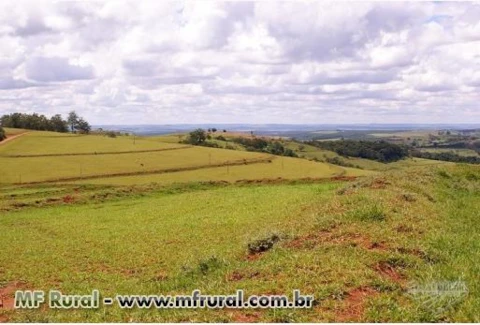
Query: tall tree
[[82, 126], [197, 137], [72, 120]]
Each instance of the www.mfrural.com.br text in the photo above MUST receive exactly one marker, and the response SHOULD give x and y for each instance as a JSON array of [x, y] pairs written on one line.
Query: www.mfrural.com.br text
[[57, 300]]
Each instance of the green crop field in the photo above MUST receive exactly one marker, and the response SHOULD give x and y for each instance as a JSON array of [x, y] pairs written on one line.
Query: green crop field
[[49, 143], [279, 167], [172, 218]]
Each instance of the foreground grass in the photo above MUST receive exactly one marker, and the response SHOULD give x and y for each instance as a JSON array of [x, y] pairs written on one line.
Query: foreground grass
[[357, 247]]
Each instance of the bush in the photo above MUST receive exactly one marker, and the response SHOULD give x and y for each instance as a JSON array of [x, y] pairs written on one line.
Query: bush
[[197, 137], [2, 134], [338, 161], [221, 138], [210, 144], [110, 134], [262, 245]]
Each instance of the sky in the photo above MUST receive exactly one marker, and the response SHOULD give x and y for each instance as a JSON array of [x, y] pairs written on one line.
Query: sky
[[313, 62]]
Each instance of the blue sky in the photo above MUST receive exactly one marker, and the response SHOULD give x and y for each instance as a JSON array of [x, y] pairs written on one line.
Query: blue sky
[[137, 62]]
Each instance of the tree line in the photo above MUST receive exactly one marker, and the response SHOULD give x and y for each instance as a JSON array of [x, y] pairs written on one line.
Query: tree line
[[374, 150], [200, 137], [263, 145], [2, 134], [56, 123], [446, 156]]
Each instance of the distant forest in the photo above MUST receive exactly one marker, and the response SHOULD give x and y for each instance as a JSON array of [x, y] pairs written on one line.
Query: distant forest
[[446, 156], [374, 150], [56, 123]]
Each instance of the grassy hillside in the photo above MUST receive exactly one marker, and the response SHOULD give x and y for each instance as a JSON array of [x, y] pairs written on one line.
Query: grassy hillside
[[49, 157], [50, 143], [279, 167], [12, 131], [357, 247]]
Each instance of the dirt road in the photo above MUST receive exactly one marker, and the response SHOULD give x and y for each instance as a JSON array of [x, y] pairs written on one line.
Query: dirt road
[[12, 138]]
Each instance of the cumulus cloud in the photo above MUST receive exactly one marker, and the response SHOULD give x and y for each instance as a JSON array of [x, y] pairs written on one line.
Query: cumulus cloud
[[242, 62]]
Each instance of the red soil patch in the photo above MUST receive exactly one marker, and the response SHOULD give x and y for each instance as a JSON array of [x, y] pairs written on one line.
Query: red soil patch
[[303, 241], [237, 276], [379, 183], [7, 295], [344, 178], [354, 305], [68, 199], [254, 257], [404, 228], [245, 317], [388, 271], [354, 239], [7, 298]]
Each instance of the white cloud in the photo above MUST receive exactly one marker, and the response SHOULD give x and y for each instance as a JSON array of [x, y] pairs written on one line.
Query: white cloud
[[300, 62]]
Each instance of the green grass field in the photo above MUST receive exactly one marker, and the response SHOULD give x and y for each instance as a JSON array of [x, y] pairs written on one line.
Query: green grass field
[[460, 152], [12, 131], [357, 246], [46, 156]]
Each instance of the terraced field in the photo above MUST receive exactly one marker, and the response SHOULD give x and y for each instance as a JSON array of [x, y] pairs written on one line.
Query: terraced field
[[39, 157]]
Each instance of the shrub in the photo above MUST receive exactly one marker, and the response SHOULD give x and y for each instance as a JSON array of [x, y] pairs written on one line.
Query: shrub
[[110, 134], [2, 134], [262, 245], [197, 137], [209, 264]]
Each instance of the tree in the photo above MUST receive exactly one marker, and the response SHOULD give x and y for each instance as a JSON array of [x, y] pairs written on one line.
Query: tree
[[72, 120], [58, 124], [2, 134], [214, 130], [82, 126], [197, 137]]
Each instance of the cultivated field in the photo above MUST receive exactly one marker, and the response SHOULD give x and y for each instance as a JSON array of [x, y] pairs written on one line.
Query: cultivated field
[[50, 157]]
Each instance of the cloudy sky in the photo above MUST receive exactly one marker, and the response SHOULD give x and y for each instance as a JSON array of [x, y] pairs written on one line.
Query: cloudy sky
[[155, 62]]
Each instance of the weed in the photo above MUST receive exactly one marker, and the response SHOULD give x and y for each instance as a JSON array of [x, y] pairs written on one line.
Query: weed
[[373, 212]]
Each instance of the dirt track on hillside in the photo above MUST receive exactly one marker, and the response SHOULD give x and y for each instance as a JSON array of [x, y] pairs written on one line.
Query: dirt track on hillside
[[12, 138]]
